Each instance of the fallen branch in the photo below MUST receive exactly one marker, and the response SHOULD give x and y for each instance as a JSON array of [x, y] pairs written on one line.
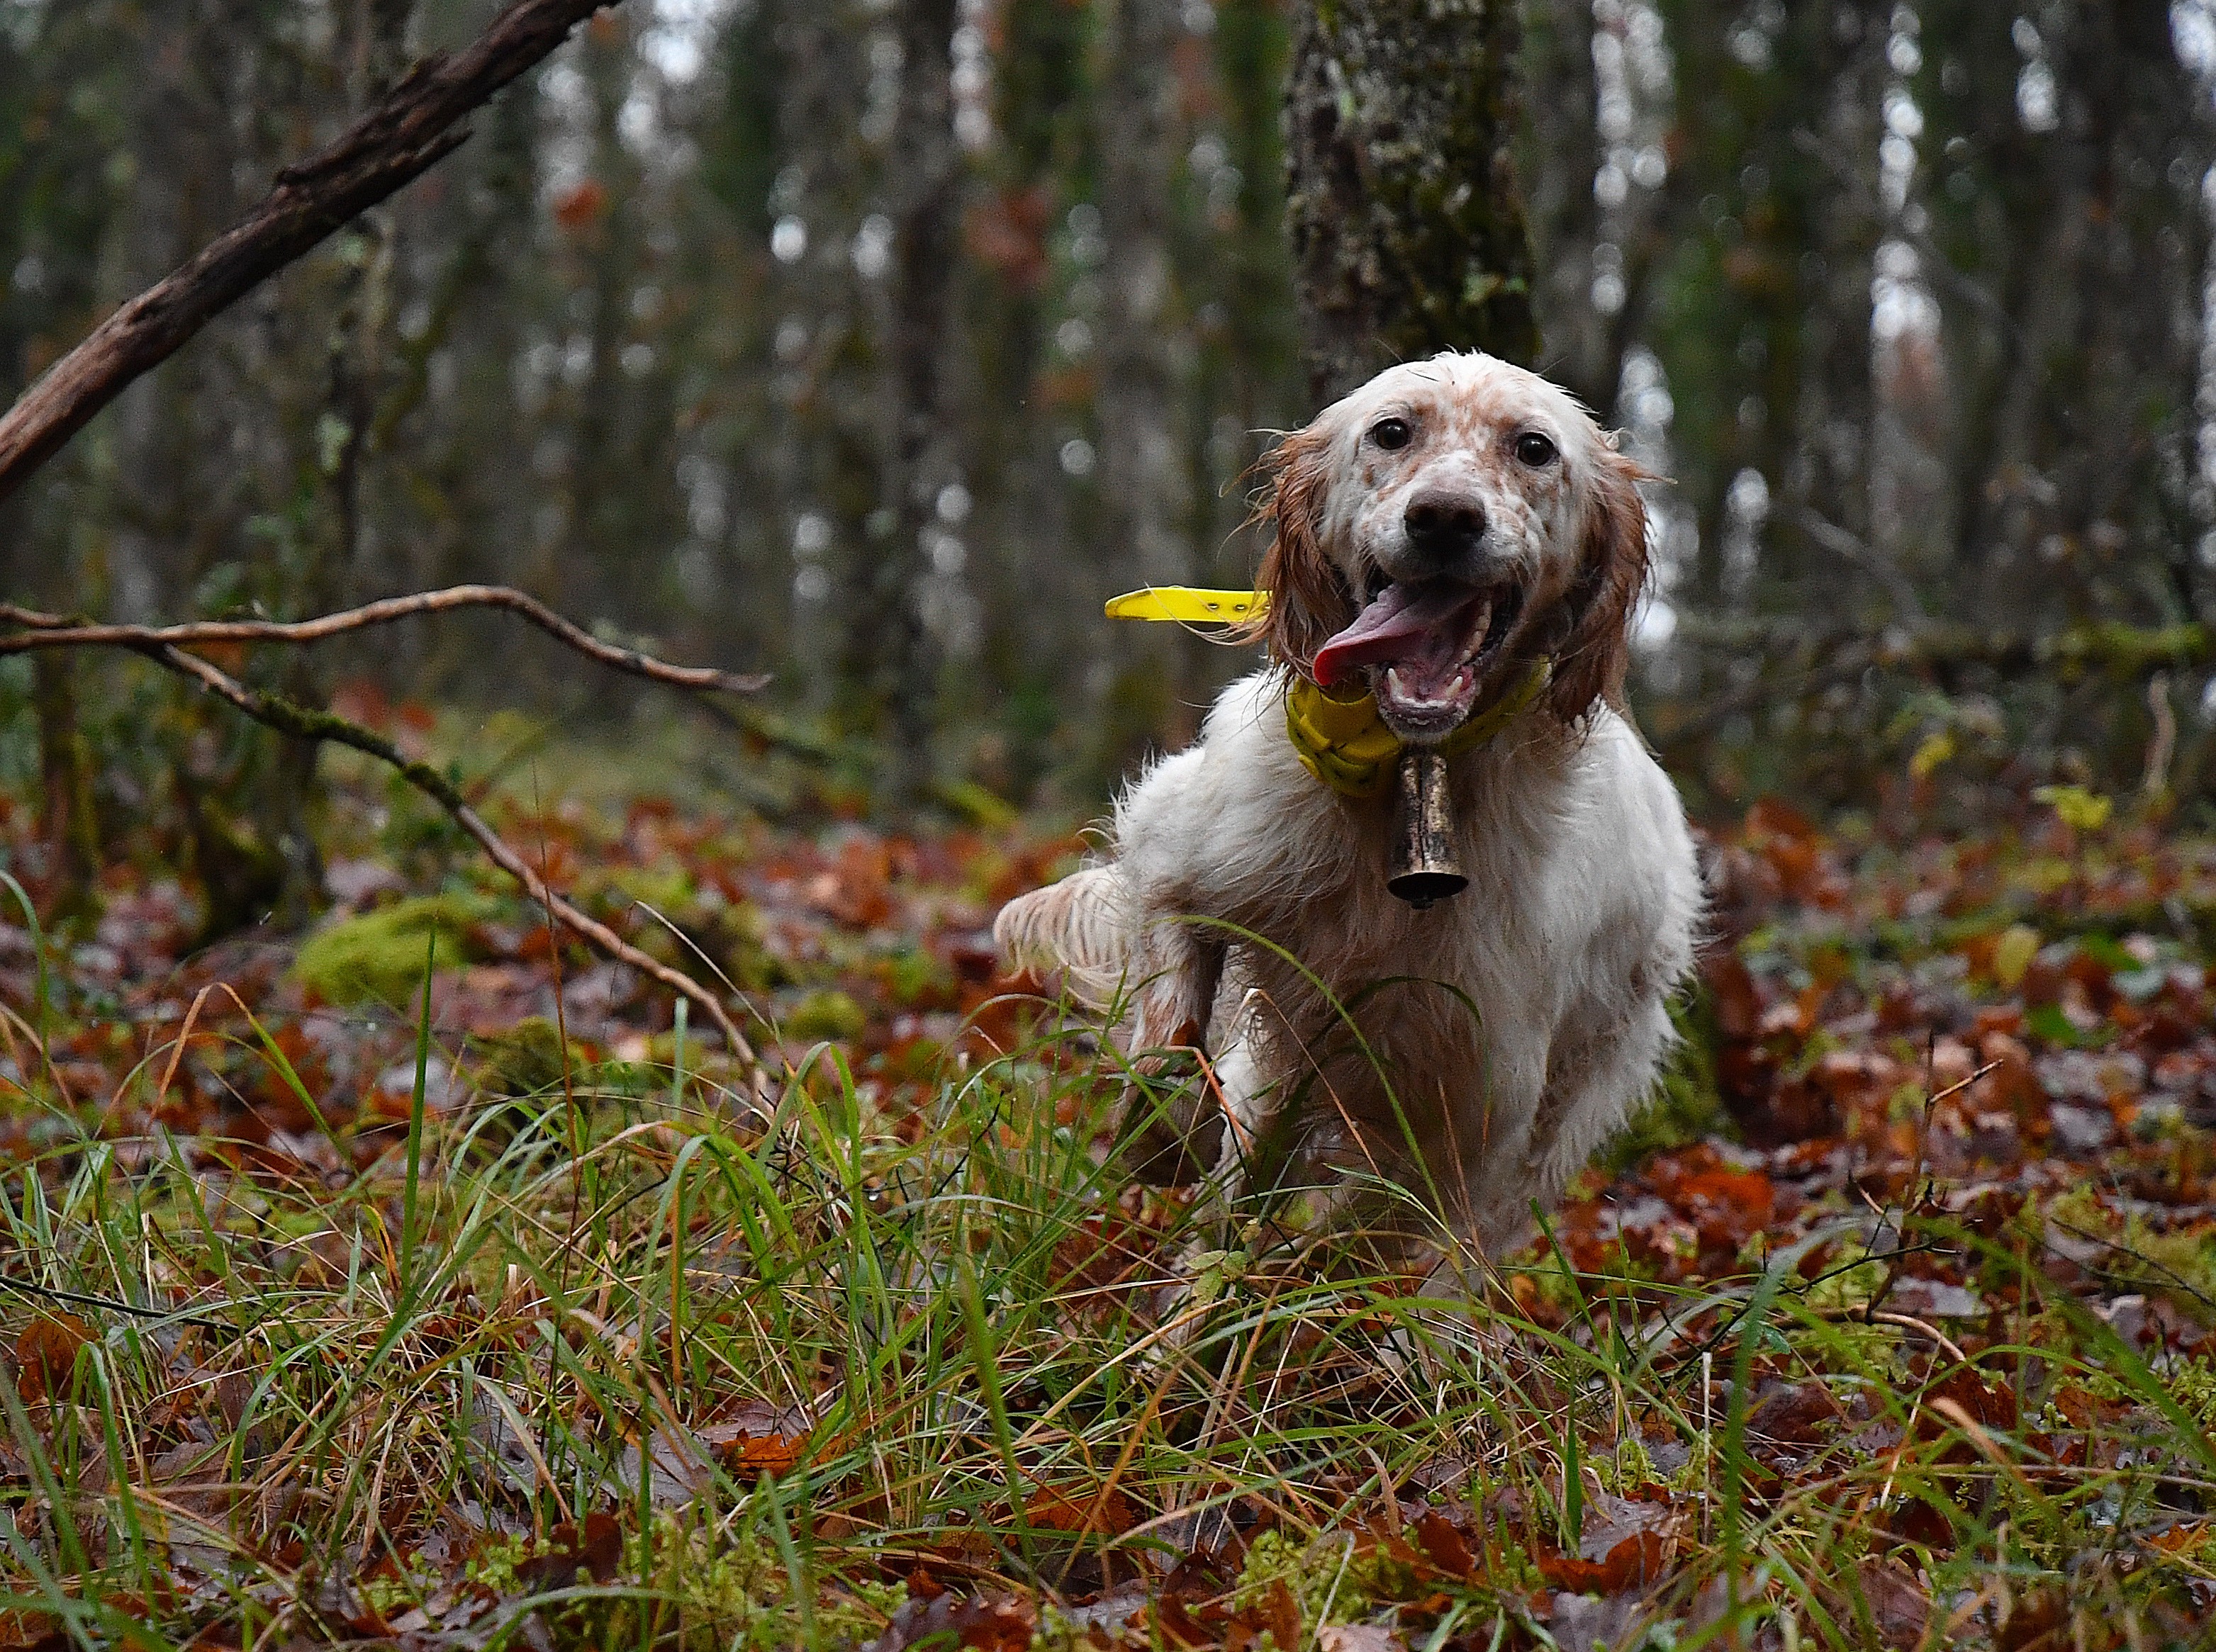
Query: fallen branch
[[2128, 654], [274, 711], [416, 126], [56, 630], [111, 1305]]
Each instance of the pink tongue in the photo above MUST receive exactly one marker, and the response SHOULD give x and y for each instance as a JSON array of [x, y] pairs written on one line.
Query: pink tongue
[[1403, 622]]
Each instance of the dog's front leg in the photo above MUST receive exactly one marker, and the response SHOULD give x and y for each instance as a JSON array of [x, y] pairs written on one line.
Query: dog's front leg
[[1178, 966], [1176, 1126], [1600, 1070]]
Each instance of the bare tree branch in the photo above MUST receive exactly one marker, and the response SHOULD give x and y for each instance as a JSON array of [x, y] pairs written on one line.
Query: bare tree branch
[[56, 630], [1872, 561], [302, 724], [416, 126]]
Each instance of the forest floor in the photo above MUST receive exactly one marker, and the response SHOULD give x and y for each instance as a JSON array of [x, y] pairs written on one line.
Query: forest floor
[[490, 1308]]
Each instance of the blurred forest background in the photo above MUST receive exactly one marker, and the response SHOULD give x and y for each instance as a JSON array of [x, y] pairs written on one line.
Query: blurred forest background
[[874, 342]]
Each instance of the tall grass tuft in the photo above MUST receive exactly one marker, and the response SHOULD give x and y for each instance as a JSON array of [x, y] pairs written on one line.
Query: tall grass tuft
[[643, 1368]]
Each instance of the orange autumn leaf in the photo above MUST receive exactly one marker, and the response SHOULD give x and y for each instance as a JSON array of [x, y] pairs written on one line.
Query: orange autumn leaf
[[1052, 1509], [46, 1353], [759, 1439], [1634, 1562], [1443, 1543]]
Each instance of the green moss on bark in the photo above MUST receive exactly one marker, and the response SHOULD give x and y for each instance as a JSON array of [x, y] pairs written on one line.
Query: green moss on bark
[[1407, 225]]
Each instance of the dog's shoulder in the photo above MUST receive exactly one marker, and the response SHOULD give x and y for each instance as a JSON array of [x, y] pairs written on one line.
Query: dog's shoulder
[[1242, 759], [1248, 717], [1615, 773], [1233, 815], [1633, 860]]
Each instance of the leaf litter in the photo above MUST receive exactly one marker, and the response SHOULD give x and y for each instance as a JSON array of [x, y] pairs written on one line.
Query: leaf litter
[[1888, 1326]]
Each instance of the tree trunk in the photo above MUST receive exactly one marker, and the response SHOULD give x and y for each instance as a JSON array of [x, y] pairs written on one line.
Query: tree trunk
[[1563, 150], [925, 183], [70, 828], [1143, 487], [599, 457], [1407, 226]]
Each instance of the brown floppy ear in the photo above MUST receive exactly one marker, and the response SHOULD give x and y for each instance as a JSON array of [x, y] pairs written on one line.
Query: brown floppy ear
[[1591, 660], [1307, 602]]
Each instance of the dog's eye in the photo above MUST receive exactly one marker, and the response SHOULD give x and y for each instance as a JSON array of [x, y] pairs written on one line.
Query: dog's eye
[[1535, 450], [1389, 433]]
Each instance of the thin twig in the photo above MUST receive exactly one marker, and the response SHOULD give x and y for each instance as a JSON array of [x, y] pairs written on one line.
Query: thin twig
[[1870, 1315], [301, 722], [1727, 1323], [417, 126], [1867, 557], [110, 1304], [1855, 657], [2171, 1279], [55, 630]]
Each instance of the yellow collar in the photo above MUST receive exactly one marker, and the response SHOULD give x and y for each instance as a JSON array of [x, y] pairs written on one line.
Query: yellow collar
[[1342, 742], [1346, 745], [1190, 604]]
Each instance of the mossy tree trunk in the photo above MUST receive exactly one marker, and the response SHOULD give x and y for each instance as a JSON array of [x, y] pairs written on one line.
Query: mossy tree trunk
[[923, 181], [1144, 488], [1407, 225], [72, 828]]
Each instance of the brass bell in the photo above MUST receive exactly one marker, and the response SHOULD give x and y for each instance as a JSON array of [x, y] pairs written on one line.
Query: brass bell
[[1424, 868]]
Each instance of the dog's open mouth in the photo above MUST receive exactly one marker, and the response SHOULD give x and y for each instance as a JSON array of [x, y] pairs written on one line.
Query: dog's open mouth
[[1426, 647]]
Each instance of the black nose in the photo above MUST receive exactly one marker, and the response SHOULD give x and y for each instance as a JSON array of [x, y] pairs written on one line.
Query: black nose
[[1442, 526]]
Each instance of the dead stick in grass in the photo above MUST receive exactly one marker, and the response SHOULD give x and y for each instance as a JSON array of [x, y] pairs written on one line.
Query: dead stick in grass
[[417, 124], [302, 723]]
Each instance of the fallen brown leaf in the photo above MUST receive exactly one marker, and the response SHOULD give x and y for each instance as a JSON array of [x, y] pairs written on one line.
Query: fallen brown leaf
[[46, 1353]]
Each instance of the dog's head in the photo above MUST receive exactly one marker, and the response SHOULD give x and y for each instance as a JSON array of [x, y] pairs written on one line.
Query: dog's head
[[1443, 527]]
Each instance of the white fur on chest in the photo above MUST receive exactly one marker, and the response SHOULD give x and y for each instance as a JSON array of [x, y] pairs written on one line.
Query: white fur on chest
[[1558, 837]]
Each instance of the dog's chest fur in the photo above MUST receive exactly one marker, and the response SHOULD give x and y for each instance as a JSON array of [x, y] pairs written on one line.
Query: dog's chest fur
[[1470, 1021]]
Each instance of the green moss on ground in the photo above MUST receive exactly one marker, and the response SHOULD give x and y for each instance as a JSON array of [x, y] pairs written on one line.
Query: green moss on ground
[[379, 956]]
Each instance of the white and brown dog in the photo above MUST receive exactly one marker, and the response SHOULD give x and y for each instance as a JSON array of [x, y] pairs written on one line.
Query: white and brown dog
[[1458, 532]]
